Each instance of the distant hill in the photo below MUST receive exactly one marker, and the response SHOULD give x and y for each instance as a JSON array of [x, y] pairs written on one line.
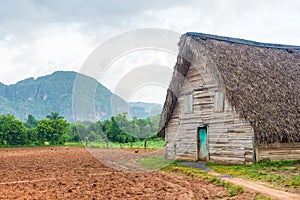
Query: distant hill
[[144, 110], [54, 93]]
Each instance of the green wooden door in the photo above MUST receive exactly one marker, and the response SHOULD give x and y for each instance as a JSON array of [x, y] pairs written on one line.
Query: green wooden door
[[202, 147]]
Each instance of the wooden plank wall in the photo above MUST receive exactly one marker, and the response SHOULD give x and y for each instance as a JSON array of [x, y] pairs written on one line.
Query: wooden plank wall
[[279, 151], [229, 137]]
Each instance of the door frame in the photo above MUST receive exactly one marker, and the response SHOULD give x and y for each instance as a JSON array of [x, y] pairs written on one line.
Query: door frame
[[198, 142]]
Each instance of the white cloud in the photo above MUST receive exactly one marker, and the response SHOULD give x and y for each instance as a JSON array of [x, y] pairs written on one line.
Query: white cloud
[[266, 21], [57, 47], [149, 93], [129, 62], [142, 75], [39, 38]]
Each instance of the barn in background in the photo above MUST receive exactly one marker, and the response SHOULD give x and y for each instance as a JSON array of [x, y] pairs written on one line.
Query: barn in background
[[232, 100]]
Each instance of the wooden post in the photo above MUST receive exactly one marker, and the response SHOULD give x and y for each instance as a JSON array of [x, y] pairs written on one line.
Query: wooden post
[[145, 144]]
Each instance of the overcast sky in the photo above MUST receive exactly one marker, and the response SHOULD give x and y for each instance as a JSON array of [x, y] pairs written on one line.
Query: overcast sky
[[38, 37]]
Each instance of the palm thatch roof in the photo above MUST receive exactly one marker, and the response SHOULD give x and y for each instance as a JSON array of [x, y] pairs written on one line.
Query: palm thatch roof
[[262, 83]]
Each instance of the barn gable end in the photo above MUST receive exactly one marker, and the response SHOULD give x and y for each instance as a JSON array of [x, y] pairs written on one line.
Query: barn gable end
[[230, 81]]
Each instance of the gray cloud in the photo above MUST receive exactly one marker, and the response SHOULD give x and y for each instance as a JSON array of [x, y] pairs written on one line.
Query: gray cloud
[[23, 17], [111, 12], [41, 36]]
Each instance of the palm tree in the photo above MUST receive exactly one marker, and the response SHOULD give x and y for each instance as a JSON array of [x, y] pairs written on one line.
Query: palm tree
[[54, 115]]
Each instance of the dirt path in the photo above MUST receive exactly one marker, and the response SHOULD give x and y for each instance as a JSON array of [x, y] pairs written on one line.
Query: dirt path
[[275, 194], [251, 186], [124, 159]]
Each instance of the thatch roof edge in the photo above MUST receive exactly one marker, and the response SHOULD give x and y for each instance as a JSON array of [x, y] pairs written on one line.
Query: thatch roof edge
[[243, 41]]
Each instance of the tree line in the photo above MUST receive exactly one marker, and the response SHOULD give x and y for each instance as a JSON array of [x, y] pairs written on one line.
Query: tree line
[[55, 130]]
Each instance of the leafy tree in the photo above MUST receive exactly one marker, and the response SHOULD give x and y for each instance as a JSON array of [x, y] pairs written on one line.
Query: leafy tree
[[95, 127], [154, 123], [43, 129], [105, 125], [54, 116], [73, 134], [32, 136], [113, 130], [12, 131], [82, 131], [93, 136], [116, 134], [53, 131], [31, 122], [60, 135]]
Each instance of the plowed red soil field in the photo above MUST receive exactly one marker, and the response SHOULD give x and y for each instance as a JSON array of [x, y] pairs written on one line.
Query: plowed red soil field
[[73, 173]]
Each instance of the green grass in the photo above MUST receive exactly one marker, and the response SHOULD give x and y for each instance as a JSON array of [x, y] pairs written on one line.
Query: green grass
[[17, 146], [232, 190], [154, 162], [260, 197], [75, 144], [281, 174], [151, 144], [47, 144]]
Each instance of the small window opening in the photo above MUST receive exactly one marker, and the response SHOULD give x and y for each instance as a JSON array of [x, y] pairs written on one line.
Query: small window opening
[[219, 101], [188, 103]]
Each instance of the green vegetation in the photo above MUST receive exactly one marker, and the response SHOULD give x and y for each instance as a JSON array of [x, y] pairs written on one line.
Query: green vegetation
[[154, 162], [281, 174], [117, 132], [150, 144], [31, 133], [12, 131], [233, 190], [55, 131], [260, 197]]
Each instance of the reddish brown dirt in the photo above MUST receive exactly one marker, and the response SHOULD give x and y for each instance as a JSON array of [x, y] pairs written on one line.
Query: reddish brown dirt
[[72, 173]]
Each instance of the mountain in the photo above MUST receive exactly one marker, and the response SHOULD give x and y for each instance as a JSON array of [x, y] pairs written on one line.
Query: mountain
[[144, 110], [65, 92]]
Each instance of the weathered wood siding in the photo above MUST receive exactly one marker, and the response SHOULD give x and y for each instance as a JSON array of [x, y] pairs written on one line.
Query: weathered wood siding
[[229, 137], [279, 151]]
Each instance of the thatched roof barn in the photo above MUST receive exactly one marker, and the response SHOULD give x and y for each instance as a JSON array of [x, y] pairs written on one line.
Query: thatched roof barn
[[238, 89]]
